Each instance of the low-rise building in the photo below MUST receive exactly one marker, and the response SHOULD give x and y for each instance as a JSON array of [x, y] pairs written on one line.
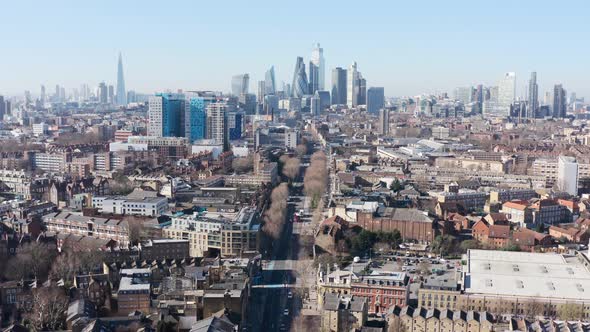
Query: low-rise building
[[410, 319], [134, 292], [146, 206], [412, 224], [518, 212], [343, 313], [101, 228], [517, 283], [382, 290]]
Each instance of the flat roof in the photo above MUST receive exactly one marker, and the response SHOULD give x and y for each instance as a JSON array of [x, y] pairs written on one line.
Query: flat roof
[[525, 274], [126, 284]]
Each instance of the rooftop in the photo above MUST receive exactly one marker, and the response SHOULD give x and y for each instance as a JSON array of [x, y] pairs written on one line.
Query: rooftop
[[523, 274]]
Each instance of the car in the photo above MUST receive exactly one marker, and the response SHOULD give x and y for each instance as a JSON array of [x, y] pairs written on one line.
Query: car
[[286, 312], [290, 295]]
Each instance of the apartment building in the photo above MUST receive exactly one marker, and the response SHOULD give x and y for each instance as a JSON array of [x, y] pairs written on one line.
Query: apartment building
[[231, 234], [100, 228]]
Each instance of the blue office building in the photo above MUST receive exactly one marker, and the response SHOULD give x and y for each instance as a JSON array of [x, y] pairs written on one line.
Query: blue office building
[[198, 118], [166, 115], [235, 122]]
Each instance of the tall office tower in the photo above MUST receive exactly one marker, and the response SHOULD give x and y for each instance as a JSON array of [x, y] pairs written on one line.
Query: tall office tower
[[548, 99], [375, 99], [239, 84], [572, 98], [57, 93], [300, 84], [324, 99], [338, 86], [111, 94], [464, 94], [317, 58], [217, 127], [567, 175], [362, 93], [121, 91], [28, 98], [261, 92], [384, 121], [43, 95], [166, 115], [286, 89], [559, 101], [131, 97], [196, 114], [270, 106], [2, 107], [316, 104], [270, 86], [533, 97], [62, 94], [103, 96], [506, 93], [314, 73], [352, 86]]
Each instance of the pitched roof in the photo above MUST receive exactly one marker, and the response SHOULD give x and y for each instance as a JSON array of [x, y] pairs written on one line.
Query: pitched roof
[[499, 231]]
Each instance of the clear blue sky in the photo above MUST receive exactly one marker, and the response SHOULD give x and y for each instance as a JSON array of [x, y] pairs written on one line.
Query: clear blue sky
[[409, 47]]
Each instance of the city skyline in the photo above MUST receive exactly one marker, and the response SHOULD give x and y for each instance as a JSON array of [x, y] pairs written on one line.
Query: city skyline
[[451, 57]]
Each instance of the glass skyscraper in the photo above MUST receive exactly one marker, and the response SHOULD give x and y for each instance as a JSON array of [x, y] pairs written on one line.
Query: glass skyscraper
[[338, 86], [269, 81], [317, 59], [121, 92], [300, 84], [375, 99], [197, 115], [167, 115], [239, 84]]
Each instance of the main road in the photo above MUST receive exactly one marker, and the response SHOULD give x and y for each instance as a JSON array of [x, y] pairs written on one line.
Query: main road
[[273, 308]]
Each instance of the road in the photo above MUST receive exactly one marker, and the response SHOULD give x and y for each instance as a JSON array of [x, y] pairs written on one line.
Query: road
[[278, 304]]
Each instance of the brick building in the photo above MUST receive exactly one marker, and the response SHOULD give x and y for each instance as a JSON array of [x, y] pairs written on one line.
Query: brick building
[[411, 223]]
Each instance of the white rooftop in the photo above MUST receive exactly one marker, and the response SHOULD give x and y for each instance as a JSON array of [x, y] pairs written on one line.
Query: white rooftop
[[524, 274]]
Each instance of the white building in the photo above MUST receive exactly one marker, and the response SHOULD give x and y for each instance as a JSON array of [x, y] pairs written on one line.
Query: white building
[[217, 126], [155, 116], [352, 78], [231, 233], [567, 175], [317, 58], [208, 145], [506, 93], [146, 206], [40, 129]]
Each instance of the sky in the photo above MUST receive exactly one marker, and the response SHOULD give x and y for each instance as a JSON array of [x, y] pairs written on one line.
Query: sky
[[408, 47]]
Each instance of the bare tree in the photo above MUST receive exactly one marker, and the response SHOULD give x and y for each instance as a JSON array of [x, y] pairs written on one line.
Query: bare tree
[[570, 311], [33, 260], [301, 149], [243, 164], [274, 218], [49, 308], [137, 230], [316, 177], [291, 168], [534, 308]]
